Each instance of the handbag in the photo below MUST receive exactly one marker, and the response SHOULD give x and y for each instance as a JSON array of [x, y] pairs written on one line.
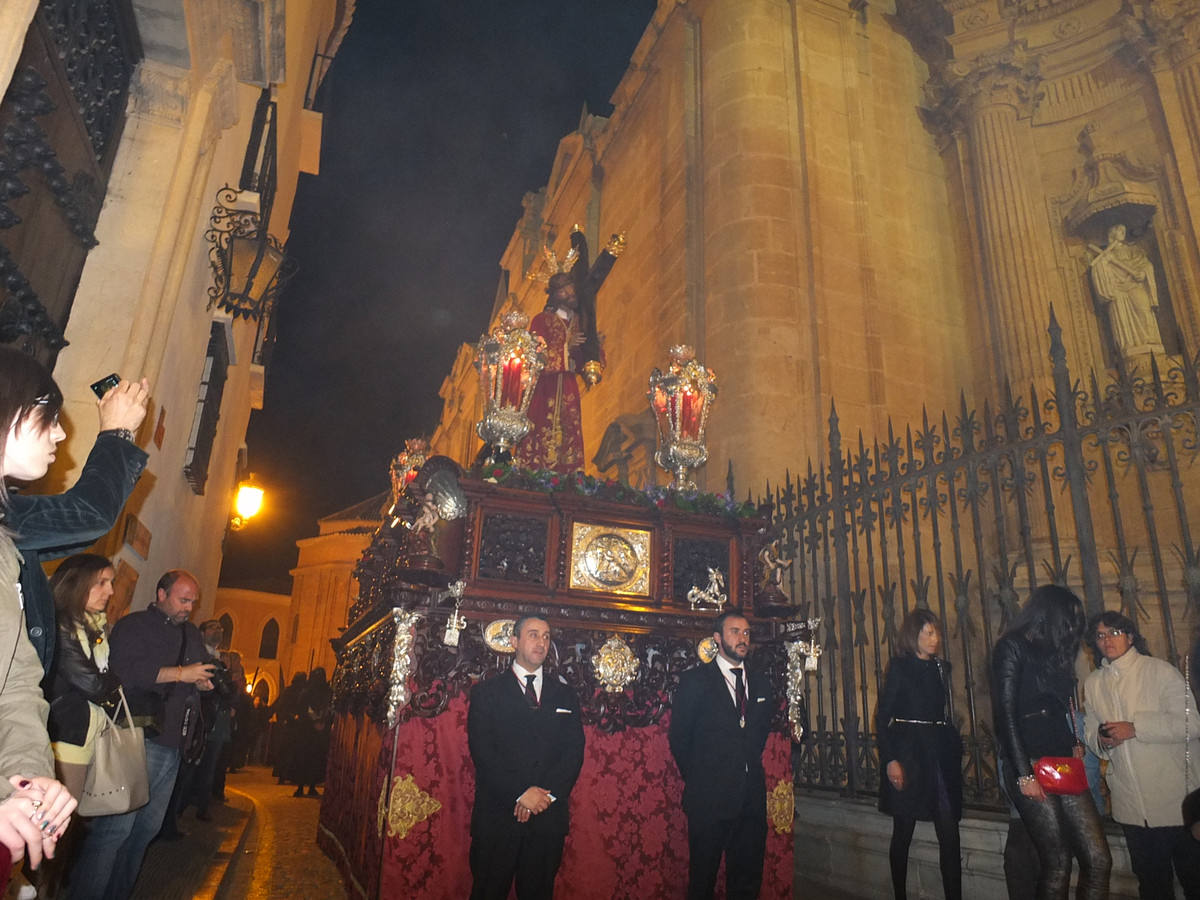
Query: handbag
[[116, 778], [1062, 774]]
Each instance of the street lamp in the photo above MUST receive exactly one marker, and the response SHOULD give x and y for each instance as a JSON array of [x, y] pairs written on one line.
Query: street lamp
[[247, 502], [249, 265]]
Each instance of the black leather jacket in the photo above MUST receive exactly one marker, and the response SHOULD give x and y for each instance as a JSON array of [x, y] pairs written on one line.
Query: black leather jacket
[[1030, 705], [76, 681]]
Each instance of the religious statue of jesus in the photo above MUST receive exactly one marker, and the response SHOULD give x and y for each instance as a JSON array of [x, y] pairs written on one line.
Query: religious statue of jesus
[[573, 350]]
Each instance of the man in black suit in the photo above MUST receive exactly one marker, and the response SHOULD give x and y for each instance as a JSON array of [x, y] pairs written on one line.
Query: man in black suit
[[526, 740], [719, 724]]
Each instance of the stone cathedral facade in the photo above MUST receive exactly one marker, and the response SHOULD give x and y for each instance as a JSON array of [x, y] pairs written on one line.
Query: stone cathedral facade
[[873, 205]]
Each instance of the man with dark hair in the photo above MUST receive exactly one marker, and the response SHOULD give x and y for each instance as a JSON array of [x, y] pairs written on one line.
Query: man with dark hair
[[526, 740], [161, 662], [720, 719]]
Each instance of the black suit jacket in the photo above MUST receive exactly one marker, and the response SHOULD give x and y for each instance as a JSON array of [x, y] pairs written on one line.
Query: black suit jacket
[[515, 747], [720, 761]]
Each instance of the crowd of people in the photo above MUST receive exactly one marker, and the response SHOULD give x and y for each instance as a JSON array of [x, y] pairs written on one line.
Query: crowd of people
[[70, 676], [1139, 720]]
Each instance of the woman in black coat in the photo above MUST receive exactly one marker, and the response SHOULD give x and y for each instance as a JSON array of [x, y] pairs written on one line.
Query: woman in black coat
[[920, 751], [81, 681]]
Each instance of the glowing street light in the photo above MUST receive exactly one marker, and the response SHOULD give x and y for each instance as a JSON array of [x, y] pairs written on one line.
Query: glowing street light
[[247, 503]]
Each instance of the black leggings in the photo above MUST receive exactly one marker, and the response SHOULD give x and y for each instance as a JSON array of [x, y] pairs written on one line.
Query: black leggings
[[946, 828], [1062, 827]]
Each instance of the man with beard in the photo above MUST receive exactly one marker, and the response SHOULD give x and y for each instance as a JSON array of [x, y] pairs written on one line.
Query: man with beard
[[526, 740], [719, 723]]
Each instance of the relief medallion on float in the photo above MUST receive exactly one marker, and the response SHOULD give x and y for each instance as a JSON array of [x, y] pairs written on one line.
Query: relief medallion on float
[[615, 665], [610, 560]]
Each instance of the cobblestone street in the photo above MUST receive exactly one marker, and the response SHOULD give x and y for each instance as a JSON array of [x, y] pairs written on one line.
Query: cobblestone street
[[260, 845]]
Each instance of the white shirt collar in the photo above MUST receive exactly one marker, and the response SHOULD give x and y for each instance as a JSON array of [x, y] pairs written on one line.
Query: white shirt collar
[[727, 667], [521, 672]]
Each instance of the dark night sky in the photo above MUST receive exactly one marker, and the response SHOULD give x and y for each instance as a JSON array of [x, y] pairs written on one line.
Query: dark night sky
[[438, 116]]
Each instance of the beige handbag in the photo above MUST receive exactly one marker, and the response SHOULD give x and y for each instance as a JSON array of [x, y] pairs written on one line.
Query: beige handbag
[[116, 778]]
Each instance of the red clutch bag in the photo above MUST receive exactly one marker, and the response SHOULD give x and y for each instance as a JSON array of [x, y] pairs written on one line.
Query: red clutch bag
[[1061, 774]]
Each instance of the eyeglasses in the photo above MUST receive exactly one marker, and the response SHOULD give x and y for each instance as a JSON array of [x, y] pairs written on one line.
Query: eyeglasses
[[1105, 635]]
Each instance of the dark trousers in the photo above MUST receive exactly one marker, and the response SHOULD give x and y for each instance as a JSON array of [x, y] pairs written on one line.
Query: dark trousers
[[529, 857], [742, 841], [1021, 864], [1062, 827], [949, 855], [1153, 852]]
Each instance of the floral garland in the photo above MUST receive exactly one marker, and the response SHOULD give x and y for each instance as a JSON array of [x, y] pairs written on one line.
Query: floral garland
[[550, 482]]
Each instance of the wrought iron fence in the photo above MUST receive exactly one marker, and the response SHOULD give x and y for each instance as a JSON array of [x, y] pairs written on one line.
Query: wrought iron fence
[[1083, 485]]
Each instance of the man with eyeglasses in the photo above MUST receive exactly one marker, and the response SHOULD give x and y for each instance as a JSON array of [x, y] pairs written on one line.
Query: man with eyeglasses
[[1142, 718]]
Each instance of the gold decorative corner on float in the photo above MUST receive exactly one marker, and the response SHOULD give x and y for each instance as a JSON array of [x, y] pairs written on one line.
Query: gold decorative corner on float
[[707, 650], [402, 663], [616, 666], [781, 807], [610, 560], [407, 807]]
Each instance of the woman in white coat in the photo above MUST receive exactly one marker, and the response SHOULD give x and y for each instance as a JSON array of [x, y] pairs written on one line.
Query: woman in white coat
[[1141, 717]]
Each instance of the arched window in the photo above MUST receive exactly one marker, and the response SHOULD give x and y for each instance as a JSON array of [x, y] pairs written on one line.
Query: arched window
[[227, 628], [268, 647]]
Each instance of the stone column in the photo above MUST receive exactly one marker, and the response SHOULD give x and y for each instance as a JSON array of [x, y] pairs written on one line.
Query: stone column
[[1166, 38], [755, 320], [988, 107]]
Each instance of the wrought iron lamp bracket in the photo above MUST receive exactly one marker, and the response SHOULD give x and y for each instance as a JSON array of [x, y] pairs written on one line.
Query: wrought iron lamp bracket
[[229, 222]]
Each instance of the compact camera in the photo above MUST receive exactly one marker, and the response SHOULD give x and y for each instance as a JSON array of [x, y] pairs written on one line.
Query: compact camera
[[105, 384]]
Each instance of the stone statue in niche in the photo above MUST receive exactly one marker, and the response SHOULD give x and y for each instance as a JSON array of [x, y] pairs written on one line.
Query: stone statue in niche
[[1124, 281]]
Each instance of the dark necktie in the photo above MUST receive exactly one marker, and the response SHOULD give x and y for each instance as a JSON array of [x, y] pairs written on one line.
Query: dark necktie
[[739, 690], [530, 693]]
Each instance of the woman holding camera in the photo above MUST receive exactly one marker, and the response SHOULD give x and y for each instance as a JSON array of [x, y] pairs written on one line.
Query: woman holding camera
[[1033, 688], [920, 751], [51, 526]]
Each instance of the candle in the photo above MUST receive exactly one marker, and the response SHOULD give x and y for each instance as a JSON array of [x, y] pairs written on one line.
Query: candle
[[510, 391]]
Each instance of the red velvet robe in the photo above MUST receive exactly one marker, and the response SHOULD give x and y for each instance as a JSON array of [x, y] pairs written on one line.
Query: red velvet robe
[[555, 441]]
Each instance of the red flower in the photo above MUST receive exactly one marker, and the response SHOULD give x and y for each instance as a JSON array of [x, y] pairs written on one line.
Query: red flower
[[496, 473], [554, 481]]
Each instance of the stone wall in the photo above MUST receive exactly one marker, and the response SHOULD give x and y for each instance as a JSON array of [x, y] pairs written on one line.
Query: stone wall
[[842, 846]]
